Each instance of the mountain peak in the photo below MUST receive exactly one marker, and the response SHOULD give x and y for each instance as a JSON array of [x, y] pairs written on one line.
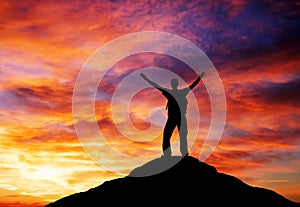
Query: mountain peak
[[173, 165], [174, 180]]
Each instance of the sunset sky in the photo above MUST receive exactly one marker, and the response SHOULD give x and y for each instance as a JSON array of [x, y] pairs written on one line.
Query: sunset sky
[[254, 47]]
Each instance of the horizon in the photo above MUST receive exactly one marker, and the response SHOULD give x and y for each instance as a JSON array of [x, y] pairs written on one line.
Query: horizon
[[253, 46]]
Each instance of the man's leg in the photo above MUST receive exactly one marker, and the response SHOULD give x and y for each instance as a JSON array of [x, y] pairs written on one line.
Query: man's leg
[[168, 130], [183, 135]]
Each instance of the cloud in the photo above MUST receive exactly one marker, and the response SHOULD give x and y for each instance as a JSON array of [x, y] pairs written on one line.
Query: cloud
[[279, 93], [45, 44]]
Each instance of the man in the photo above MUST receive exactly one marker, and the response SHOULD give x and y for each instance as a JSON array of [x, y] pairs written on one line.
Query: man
[[176, 106]]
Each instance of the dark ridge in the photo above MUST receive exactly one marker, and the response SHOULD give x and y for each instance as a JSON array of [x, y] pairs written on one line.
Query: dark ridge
[[187, 182]]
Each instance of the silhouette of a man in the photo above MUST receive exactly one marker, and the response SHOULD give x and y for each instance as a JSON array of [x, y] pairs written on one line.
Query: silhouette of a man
[[176, 106]]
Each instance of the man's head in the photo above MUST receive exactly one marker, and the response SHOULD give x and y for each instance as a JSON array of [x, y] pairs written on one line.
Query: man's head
[[174, 83]]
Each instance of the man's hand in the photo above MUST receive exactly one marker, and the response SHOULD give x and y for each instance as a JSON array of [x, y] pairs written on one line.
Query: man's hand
[[202, 75], [143, 76]]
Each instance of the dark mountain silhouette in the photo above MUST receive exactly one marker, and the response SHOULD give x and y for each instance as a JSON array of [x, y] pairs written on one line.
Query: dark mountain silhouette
[[189, 182]]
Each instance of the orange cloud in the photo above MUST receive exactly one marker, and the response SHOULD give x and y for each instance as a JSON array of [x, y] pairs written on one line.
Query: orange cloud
[[45, 44]]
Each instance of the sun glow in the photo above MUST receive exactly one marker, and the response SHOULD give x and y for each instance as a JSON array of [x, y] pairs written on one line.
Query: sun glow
[[45, 173], [44, 44]]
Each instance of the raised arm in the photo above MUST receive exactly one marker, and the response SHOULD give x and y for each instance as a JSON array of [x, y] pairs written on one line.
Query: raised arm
[[196, 81], [155, 85]]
